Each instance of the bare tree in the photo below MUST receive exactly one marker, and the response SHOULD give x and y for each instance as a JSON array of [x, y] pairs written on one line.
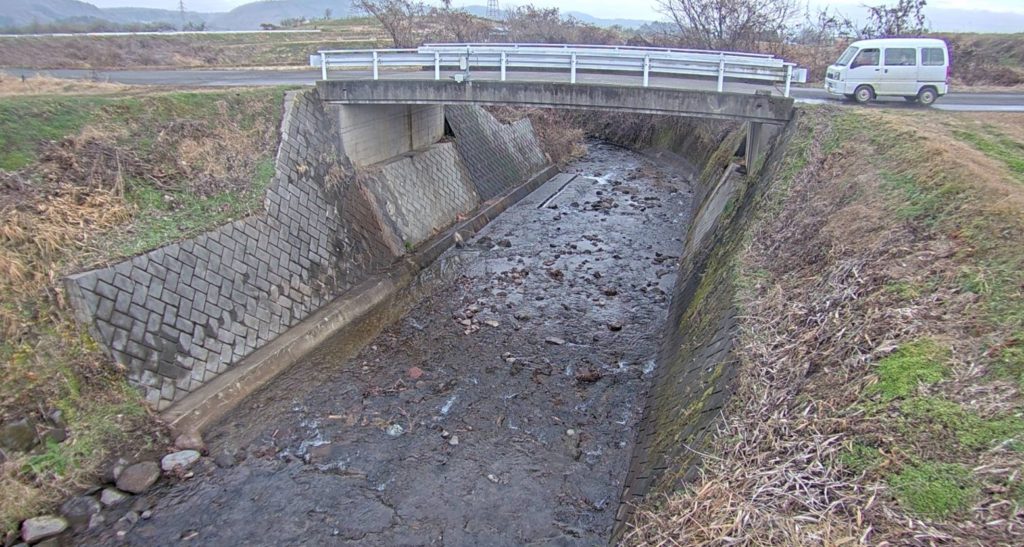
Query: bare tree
[[548, 26], [904, 18], [730, 24], [460, 25], [399, 18], [823, 28]]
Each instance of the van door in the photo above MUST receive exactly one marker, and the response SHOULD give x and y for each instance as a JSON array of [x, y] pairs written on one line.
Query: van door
[[899, 71], [864, 69], [933, 65]]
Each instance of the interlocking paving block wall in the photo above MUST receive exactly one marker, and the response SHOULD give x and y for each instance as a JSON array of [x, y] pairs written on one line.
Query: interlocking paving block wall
[[498, 156], [178, 316], [424, 192]]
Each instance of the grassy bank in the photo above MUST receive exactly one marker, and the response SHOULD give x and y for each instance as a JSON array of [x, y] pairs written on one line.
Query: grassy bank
[[86, 179], [881, 366]]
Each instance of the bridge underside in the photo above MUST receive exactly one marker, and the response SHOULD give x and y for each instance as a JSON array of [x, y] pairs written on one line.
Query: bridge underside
[[754, 108]]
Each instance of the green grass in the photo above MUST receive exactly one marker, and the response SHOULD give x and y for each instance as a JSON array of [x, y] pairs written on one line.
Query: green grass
[[998, 147], [919, 362], [27, 121], [971, 430], [860, 458], [934, 490]]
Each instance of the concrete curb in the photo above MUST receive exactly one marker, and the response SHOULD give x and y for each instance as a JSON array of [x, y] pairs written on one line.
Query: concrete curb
[[206, 405]]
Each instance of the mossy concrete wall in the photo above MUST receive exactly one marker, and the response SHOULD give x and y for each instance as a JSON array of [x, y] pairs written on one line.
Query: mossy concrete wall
[[695, 366]]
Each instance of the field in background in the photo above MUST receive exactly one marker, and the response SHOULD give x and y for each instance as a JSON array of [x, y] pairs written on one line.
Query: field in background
[[88, 174], [882, 344], [189, 50]]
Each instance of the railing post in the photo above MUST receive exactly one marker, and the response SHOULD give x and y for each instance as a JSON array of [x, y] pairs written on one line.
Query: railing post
[[647, 69], [721, 73], [323, 65], [374, 65], [504, 62], [437, 66], [572, 68], [789, 79]]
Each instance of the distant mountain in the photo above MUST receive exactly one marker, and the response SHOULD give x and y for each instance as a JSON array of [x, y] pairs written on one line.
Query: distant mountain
[[153, 15], [252, 15], [20, 13], [23, 13]]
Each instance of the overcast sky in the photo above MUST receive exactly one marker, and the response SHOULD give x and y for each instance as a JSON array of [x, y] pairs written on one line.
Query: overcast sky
[[598, 8]]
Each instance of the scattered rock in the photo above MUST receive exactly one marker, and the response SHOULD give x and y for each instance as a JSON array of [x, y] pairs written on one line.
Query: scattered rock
[[39, 528], [459, 242], [57, 435], [615, 326], [224, 460], [454, 441], [18, 436], [145, 515], [56, 418], [394, 430], [414, 373], [556, 274], [127, 521], [79, 510], [466, 322], [589, 376], [190, 440], [115, 470], [492, 478], [139, 477], [570, 432], [521, 316], [112, 496], [504, 243], [491, 323], [555, 340], [182, 459], [96, 521], [610, 291]]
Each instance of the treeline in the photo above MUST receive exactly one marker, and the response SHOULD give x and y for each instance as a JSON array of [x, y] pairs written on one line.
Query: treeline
[[84, 25]]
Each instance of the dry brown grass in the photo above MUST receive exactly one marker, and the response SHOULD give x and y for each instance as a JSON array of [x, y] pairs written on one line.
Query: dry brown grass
[[817, 317], [45, 85], [559, 138]]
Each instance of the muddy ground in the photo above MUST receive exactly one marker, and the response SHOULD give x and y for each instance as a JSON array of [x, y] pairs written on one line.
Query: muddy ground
[[499, 410]]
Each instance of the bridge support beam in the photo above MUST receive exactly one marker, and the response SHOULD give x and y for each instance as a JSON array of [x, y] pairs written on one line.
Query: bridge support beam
[[755, 131]]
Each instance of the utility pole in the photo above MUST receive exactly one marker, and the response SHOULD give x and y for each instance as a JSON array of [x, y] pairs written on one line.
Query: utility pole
[[181, 11], [493, 12]]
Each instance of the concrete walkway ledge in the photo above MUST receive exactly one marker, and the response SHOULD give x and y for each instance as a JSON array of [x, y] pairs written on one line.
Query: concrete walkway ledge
[[203, 407]]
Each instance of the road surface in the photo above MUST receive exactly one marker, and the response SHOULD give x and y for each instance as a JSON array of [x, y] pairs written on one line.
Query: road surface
[[978, 102]]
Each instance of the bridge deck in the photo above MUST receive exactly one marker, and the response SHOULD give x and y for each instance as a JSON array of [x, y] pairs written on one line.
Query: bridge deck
[[672, 96]]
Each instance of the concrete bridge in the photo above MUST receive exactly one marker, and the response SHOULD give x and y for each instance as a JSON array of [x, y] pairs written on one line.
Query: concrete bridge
[[751, 88]]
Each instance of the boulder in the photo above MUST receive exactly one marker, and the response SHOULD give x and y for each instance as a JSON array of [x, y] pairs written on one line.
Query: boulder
[[137, 478], [37, 529], [183, 459], [79, 510], [18, 436]]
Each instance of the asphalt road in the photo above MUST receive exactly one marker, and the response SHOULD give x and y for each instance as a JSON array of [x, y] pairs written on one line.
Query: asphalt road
[[978, 102]]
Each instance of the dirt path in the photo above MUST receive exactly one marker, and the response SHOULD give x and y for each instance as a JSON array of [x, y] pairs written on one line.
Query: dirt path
[[498, 411]]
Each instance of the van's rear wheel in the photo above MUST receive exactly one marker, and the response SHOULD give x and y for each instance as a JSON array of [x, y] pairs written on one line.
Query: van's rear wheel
[[927, 96], [864, 94]]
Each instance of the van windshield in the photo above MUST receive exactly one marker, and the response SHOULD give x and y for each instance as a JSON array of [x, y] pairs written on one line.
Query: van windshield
[[847, 56]]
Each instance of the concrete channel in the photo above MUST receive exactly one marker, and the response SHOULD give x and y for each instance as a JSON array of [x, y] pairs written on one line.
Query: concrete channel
[[430, 337], [498, 409]]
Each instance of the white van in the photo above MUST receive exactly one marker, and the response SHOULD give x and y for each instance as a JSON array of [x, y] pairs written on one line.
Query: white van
[[914, 68]]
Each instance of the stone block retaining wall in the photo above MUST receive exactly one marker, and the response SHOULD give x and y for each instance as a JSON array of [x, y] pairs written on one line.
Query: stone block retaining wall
[[178, 316]]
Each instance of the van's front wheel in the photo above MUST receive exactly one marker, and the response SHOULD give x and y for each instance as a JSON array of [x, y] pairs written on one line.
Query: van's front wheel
[[927, 96], [864, 94]]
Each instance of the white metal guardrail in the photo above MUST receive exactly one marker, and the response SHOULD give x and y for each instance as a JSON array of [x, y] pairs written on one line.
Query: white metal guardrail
[[510, 58]]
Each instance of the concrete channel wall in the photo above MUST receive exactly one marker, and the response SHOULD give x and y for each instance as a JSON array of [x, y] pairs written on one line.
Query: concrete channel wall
[[695, 366], [181, 315]]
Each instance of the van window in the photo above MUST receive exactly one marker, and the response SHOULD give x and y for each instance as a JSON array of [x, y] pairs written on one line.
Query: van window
[[866, 57], [933, 56], [847, 55], [900, 56]]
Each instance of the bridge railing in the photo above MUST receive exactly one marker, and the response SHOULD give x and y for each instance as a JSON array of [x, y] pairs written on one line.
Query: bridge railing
[[507, 59]]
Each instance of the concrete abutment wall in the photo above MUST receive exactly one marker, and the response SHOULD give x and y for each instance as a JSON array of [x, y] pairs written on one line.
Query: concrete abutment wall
[[356, 188]]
